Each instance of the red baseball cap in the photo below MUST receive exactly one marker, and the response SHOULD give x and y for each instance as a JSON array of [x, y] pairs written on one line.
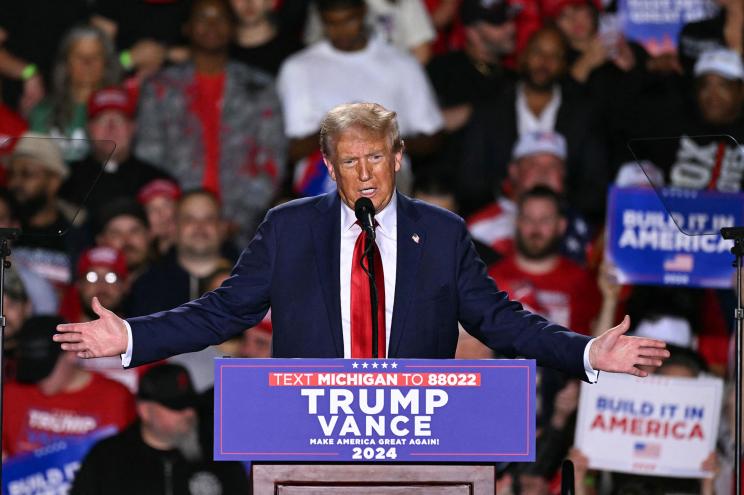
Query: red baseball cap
[[158, 187], [103, 256], [110, 99]]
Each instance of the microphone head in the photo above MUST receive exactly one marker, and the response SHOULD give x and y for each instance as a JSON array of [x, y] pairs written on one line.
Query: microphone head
[[364, 210]]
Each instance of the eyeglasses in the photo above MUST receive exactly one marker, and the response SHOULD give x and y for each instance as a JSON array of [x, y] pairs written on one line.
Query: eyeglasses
[[109, 278]]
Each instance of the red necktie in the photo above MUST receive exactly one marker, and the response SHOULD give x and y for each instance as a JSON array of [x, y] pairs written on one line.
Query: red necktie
[[361, 314]]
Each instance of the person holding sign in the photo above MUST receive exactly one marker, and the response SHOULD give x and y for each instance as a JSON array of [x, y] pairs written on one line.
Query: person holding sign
[[301, 264], [671, 446]]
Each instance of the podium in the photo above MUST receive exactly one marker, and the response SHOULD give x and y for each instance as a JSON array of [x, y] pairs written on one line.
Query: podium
[[385, 426], [346, 479]]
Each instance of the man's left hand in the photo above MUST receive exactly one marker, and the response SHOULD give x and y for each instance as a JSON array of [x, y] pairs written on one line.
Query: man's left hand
[[616, 352]]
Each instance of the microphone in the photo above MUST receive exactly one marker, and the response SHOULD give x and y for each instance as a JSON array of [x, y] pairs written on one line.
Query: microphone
[[365, 213]]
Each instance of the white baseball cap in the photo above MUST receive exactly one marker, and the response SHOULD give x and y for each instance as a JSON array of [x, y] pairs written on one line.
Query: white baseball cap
[[643, 173], [671, 329], [42, 149], [722, 61], [532, 143]]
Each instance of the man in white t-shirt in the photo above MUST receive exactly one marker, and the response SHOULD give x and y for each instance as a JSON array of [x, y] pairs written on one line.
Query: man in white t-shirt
[[404, 23], [350, 65]]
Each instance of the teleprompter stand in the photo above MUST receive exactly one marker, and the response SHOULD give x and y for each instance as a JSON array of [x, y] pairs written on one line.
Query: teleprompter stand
[[736, 234], [6, 235]]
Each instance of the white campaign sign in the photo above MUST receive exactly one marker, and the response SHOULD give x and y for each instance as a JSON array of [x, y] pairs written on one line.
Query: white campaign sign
[[656, 425]]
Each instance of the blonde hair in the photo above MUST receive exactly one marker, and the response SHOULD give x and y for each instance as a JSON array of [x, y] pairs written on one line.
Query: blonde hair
[[371, 117]]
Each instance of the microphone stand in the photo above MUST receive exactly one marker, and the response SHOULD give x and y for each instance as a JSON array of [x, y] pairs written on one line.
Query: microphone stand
[[369, 253], [6, 235], [568, 485], [737, 235]]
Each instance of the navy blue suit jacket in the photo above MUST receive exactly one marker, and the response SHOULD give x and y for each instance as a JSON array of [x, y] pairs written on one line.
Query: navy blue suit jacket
[[292, 265]]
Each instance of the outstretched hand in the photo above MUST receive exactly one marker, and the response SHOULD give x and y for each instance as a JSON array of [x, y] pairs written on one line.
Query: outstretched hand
[[616, 352], [106, 336]]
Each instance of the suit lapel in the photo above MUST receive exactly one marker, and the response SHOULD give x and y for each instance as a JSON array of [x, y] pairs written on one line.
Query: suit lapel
[[411, 241], [327, 243]]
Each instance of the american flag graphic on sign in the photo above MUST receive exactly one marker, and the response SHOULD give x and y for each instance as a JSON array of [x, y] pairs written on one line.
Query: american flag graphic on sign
[[647, 450], [680, 263]]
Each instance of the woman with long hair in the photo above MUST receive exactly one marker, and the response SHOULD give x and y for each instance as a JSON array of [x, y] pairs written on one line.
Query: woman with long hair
[[86, 61]]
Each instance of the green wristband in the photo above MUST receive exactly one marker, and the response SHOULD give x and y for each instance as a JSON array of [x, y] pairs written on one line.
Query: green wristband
[[590, 481], [29, 71], [125, 59]]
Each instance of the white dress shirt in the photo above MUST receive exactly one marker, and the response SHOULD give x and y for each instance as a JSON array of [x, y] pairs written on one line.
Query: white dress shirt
[[386, 235]]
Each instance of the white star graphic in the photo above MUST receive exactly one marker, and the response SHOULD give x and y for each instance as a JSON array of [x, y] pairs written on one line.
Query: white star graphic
[[374, 365], [364, 365], [355, 365], [394, 365], [384, 365]]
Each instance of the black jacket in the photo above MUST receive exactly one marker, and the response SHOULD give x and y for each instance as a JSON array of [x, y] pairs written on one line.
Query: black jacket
[[124, 464], [492, 133]]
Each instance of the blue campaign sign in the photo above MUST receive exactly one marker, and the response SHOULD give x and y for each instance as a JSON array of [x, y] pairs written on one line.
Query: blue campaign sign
[[343, 410], [50, 469], [647, 246], [656, 24]]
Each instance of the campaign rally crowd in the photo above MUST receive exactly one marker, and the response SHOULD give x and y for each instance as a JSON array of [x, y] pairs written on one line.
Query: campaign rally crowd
[[143, 141]]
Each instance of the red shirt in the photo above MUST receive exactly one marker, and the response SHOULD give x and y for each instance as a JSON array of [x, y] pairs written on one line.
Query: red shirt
[[32, 419], [567, 295], [450, 37], [11, 127], [208, 107], [494, 225], [713, 339]]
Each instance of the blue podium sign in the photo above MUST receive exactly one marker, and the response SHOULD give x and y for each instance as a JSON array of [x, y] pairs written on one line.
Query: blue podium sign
[[403, 410]]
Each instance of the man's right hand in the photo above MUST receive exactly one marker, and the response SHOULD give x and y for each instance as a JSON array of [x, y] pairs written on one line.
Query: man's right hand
[[106, 336]]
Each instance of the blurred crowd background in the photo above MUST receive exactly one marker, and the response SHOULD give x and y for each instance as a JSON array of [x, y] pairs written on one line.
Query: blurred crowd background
[[142, 141]]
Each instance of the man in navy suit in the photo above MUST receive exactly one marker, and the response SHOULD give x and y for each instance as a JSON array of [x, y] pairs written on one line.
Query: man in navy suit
[[300, 264]]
